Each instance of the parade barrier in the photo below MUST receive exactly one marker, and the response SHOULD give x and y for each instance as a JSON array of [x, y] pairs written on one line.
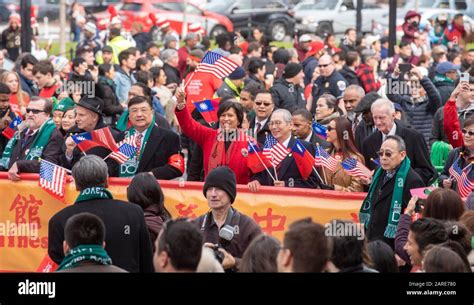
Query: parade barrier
[[26, 208]]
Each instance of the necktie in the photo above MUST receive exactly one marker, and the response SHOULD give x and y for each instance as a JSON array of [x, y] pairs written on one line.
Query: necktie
[[138, 143], [259, 126], [28, 135]]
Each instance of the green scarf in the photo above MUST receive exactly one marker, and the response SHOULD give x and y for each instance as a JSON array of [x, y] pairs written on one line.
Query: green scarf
[[129, 168], [397, 199], [36, 148], [440, 78], [84, 253], [91, 193], [122, 123]]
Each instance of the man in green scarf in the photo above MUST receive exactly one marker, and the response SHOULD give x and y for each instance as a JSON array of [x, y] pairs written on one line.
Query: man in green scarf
[[84, 246], [40, 139], [389, 192]]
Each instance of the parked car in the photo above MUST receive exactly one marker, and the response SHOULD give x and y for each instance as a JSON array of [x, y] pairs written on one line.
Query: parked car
[[138, 11], [273, 16], [6, 8], [329, 16]]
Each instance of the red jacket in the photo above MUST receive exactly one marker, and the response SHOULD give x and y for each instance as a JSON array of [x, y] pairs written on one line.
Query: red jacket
[[183, 54], [452, 127], [454, 33], [206, 138]]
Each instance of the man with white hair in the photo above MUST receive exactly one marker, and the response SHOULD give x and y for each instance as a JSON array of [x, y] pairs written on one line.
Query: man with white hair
[[383, 114], [170, 59], [281, 126]]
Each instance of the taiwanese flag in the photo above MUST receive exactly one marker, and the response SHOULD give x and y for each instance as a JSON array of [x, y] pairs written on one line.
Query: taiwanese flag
[[304, 160], [321, 131], [255, 159], [208, 109], [10, 130], [100, 137]]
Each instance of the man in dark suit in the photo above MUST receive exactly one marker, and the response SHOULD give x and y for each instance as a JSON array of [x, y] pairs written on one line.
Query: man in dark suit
[[389, 193], [158, 148], [127, 241], [383, 112], [287, 171], [89, 117], [263, 109], [40, 139], [303, 129]]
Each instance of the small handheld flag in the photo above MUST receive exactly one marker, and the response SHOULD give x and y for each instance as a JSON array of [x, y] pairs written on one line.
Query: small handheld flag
[[356, 168], [322, 158], [303, 159], [320, 131], [124, 152], [100, 137], [52, 179], [10, 130], [208, 109], [274, 151]]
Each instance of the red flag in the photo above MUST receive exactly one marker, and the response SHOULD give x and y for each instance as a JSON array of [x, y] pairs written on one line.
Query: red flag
[[304, 160], [208, 109], [256, 161], [100, 137]]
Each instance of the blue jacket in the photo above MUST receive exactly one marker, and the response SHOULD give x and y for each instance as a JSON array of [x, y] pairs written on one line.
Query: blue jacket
[[27, 85], [123, 83]]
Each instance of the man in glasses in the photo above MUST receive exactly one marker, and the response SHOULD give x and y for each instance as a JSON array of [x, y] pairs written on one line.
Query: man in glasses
[[383, 114], [389, 192], [263, 109], [329, 81], [40, 139], [287, 91]]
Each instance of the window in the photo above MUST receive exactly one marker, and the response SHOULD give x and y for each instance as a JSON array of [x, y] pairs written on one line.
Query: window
[[191, 9], [349, 4], [460, 5], [132, 7], [169, 6]]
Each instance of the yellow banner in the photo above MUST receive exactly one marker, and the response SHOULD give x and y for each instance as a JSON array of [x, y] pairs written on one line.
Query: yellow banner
[[26, 210]]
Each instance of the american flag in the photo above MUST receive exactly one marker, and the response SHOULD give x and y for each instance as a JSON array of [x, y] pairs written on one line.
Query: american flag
[[465, 185], [216, 64], [356, 169], [124, 152], [274, 150], [52, 179], [322, 158]]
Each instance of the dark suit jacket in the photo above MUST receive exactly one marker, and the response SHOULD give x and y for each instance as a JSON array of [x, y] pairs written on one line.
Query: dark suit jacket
[[161, 145], [101, 152], [289, 170], [417, 151], [381, 202], [261, 136], [127, 241], [317, 140], [51, 152]]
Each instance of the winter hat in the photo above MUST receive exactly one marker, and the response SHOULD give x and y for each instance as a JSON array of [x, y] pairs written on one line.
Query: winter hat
[[224, 178], [64, 105], [90, 27], [291, 70], [314, 48], [410, 14], [59, 63], [238, 73]]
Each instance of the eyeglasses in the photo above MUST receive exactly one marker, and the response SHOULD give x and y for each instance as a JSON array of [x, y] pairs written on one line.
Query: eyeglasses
[[324, 66], [135, 111], [470, 133], [35, 111], [264, 104], [277, 123], [387, 153]]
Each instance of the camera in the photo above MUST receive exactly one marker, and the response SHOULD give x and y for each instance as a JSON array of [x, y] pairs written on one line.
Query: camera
[[218, 254], [226, 234]]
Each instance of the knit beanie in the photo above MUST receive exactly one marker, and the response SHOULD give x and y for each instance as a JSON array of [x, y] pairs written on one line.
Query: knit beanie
[[291, 70], [224, 178]]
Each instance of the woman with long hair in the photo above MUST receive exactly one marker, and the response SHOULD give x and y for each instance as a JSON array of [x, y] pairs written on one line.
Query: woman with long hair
[[19, 99], [342, 146], [145, 191]]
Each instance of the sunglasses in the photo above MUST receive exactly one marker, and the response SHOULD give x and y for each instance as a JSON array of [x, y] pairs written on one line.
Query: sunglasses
[[380, 153], [264, 104], [35, 111], [470, 133]]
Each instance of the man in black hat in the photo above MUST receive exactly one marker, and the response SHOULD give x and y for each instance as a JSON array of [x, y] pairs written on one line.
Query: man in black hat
[[287, 92], [233, 84], [366, 125], [223, 225], [89, 117]]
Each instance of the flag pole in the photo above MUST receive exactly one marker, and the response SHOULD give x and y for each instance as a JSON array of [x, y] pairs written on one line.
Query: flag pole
[[322, 167], [189, 80], [67, 170], [263, 163]]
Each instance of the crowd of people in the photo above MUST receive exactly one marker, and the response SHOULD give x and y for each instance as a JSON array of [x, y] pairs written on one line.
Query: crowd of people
[[405, 118]]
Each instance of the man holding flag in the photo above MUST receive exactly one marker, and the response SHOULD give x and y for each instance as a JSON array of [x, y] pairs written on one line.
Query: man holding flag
[[157, 149], [287, 168], [40, 139], [6, 114], [94, 138]]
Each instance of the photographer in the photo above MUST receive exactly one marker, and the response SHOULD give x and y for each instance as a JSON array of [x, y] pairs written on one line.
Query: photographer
[[227, 231]]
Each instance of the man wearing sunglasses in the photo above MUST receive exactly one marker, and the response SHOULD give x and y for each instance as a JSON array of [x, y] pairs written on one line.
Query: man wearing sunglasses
[[329, 81], [263, 109], [383, 114], [40, 139], [389, 191]]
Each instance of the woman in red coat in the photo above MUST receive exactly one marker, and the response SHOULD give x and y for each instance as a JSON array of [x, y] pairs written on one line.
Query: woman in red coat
[[225, 146]]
